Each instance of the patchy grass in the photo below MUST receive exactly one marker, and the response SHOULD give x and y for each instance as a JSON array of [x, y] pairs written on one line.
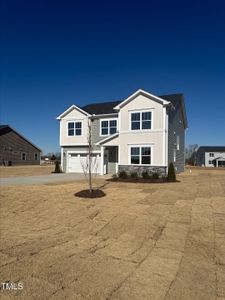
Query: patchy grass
[[140, 241], [15, 171]]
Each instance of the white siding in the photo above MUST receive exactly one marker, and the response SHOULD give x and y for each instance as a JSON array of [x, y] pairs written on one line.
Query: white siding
[[208, 158], [154, 136], [73, 116]]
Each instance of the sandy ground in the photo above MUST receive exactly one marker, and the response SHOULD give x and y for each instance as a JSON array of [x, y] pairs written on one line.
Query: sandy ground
[[141, 241], [15, 171]]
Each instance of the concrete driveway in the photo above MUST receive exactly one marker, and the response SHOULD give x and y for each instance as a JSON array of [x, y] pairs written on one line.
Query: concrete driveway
[[40, 179]]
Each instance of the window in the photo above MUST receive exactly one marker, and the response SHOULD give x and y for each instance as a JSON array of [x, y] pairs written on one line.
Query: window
[[108, 127], [35, 156], [211, 154], [178, 142], [74, 128], [210, 162], [135, 155], [141, 120], [140, 155], [23, 156]]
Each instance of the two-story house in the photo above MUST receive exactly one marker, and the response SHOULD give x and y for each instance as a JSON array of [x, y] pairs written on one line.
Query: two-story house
[[143, 131], [210, 156]]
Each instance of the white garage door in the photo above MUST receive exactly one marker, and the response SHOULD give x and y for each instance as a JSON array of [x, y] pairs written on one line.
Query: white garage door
[[78, 162]]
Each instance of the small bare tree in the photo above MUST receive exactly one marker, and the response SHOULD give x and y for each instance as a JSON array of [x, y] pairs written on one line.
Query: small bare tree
[[90, 165]]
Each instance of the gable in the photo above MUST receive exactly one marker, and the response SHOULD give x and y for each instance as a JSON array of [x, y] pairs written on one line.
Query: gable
[[73, 112], [11, 136], [143, 94]]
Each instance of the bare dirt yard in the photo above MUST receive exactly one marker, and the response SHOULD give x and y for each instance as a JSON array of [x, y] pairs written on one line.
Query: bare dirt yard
[[141, 241], [15, 171]]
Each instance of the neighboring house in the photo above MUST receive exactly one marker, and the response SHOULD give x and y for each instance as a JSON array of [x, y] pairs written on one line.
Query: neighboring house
[[141, 132], [15, 149], [210, 156]]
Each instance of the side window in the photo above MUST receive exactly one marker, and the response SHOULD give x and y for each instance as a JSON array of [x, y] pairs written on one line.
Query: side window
[[35, 156], [23, 156]]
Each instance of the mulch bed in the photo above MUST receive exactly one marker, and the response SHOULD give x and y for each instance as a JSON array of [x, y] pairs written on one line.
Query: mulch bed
[[86, 194], [141, 180]]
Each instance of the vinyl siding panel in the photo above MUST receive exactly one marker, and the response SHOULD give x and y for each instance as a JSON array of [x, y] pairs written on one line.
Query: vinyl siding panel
[[176, 128], [95, 129], [12, 147], [73, 116]]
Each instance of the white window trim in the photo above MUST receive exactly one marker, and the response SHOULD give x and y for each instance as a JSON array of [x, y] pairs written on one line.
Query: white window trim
[[140, 146], [74, 121], [108, 119], [141, 111], [22, 156]]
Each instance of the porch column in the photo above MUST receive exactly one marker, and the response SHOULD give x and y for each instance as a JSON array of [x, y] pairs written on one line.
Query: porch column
[[102, 161]]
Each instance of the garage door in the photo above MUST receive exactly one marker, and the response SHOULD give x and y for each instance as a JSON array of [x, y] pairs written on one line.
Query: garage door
[[78, 162]]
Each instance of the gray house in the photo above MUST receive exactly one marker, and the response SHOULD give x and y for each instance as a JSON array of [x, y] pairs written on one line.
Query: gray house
[[211, 156], [143, 131], [15, 149]]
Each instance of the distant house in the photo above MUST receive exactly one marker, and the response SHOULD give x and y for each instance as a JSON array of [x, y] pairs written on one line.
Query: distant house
[[15, 149], [211, 156], [142, 132]]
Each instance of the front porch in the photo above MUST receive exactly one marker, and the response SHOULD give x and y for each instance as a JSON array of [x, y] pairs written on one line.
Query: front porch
[[219, 162], [109, 160]]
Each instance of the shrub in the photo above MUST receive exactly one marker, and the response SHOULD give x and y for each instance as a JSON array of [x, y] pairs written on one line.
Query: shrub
[[114, 176], [134, 175], [145, 174], [123, 174], [171, 173], [155, 175], [57, 167]]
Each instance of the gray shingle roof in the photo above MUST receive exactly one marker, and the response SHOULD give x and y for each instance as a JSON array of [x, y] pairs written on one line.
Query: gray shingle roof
[[211, 149], [6, 129], [108, 107], [101, 108]]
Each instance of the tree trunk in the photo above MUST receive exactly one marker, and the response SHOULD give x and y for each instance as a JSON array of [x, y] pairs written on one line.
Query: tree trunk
[[89, 158]]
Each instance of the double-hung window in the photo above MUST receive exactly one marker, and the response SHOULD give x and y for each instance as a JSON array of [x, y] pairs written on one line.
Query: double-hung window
[[108, 127], [140, 155], [211, 154], [141, 120], [74, 128]]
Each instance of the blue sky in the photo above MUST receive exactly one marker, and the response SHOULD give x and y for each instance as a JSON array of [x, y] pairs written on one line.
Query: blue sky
[[58, 53]]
